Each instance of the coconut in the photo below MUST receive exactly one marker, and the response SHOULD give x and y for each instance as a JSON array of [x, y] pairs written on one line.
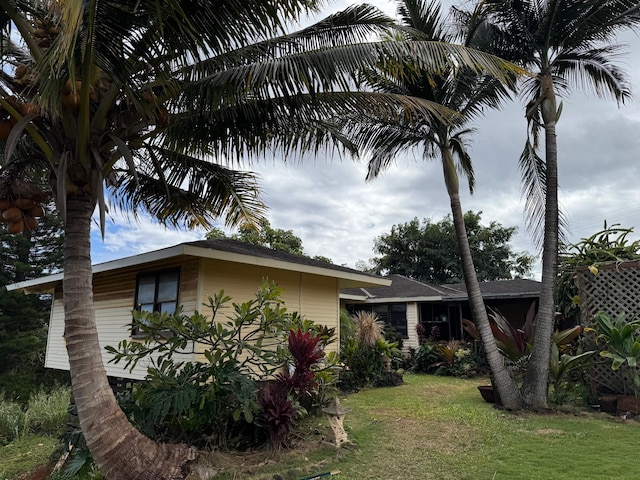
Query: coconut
[[25, 203], [21, 71], [13, 214], [5, 203], [15, 227], [29, 108], [36, 211], [70, 100]]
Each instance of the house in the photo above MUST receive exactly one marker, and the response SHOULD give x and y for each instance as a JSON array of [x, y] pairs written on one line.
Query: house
[[439, 309], [186, 275]]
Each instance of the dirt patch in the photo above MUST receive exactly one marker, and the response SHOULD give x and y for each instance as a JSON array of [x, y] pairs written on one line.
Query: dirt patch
[[443, 437]]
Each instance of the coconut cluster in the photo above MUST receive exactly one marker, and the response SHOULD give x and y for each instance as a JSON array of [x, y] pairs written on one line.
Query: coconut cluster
[[22, 213], [45, 33], [7, 121]]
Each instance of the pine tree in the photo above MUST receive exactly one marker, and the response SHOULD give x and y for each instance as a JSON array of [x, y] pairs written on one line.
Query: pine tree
[[24, 318]]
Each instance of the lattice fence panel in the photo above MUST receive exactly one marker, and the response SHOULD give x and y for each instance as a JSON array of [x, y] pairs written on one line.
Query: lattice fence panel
[[615, 289]]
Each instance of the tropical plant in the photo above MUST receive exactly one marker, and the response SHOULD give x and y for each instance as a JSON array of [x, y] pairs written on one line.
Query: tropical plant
[[622, 343], [204, 402], [516, 345], [282, 400], [144, 105], [367, 355], [455, 359], [464, 91], [608, 245], [562, 364], [564, 44], [368, 328]]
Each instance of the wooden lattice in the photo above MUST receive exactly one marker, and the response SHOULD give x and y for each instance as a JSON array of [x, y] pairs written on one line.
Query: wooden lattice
[[615, 289]]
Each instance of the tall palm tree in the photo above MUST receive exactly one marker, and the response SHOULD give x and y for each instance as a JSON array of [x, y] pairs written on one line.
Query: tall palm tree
[[566, 44], [148, 106], [464, 91]]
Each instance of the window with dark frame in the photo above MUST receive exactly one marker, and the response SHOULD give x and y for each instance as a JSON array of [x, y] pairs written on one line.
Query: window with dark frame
[[157, 292], [394, 314]]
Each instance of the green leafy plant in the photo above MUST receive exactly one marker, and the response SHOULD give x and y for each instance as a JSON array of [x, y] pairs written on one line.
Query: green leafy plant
[[425, 358], [622, 343], [211, 401], [516, 344]]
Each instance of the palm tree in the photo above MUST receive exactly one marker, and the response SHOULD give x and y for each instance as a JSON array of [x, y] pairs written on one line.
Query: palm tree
[[146, 106], [565, 44], [461, 90]]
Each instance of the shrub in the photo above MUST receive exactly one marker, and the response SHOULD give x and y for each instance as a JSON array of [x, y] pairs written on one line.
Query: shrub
[[45, 413], [11, 421], [366, 356], [425, 358], [216, 401]]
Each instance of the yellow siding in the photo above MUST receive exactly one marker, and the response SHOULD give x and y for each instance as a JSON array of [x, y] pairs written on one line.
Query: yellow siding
[[314, 297], [114, 296]]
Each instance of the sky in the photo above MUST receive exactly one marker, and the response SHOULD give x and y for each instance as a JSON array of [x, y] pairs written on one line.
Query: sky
[[327, 203]]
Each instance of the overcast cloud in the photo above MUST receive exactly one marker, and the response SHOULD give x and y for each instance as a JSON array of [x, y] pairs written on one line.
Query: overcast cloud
[[327, 203]]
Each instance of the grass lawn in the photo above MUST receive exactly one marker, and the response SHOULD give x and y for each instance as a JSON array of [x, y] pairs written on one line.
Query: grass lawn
[[25, 455], [428, 428], [440, 428]]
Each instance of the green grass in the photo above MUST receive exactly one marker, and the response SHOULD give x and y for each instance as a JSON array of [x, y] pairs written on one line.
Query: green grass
[[440, 428], [29, 434], [428, 428], [25, 455]]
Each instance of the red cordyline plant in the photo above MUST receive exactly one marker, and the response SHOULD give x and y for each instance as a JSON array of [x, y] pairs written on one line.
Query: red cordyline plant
[[279, 398], [306, 352]]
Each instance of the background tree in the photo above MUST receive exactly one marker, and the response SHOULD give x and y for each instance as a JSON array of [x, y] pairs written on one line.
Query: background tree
[[565, 44], [274, 238], [266, 236], [24, 318], [428, 251]]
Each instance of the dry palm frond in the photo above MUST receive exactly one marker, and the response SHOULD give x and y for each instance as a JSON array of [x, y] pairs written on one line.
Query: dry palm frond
[[368, 328]]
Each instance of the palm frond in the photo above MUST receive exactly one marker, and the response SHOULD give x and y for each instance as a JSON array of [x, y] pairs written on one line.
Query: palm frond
[[533, 175], [251, 127], [189, 192], [595, 70]]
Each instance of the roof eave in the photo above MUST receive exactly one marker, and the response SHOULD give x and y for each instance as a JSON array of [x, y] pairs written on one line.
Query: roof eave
[[345, 279]]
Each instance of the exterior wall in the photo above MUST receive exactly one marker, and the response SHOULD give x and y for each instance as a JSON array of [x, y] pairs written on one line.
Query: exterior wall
[[413, 317], [114, 296], [314, 297]]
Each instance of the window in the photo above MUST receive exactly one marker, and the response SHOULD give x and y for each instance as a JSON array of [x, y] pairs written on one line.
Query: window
[[157, 292], [394, 314]]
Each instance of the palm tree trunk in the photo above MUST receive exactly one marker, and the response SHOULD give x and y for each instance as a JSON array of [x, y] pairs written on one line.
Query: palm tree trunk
[[536, 384], [507, 390], [119, 450]]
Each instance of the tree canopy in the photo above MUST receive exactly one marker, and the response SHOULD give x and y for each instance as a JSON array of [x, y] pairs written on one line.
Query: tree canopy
[[267, 236], [23, 318], [428, 251]]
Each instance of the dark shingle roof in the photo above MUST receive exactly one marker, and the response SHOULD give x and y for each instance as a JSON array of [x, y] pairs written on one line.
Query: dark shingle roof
[[403, 287], [517, 288], [243, 248]]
